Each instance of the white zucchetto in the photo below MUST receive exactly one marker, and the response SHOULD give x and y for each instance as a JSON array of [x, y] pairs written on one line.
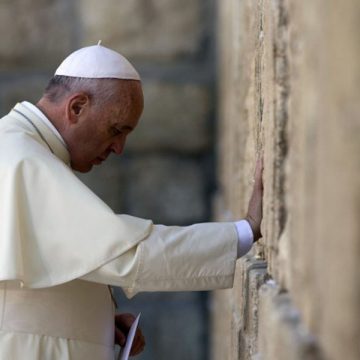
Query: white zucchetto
[[96, 62]]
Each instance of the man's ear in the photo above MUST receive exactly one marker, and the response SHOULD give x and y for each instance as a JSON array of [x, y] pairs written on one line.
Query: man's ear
[[77, 107]]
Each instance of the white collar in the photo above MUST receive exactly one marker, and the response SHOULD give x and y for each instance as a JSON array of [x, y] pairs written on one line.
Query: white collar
[[44, 119]]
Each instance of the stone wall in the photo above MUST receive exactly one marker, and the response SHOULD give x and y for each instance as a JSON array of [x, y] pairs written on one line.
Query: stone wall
[[289, 89], [166, 173]]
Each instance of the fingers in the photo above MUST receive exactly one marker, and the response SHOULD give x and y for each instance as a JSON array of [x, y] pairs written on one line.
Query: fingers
[[138, 344], [123, 323], [120, 338], [254, 214]]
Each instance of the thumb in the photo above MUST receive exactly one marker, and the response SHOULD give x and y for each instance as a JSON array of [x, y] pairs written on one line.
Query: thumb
[[120, 338]]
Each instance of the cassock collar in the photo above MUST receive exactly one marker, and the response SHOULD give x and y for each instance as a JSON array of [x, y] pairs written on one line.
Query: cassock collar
[[52, 140], [43, 117]]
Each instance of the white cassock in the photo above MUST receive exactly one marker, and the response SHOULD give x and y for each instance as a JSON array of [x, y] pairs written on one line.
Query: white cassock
[[60, 246]]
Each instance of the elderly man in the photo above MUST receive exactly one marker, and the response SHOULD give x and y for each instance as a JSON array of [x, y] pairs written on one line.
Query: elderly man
[[60, 245]]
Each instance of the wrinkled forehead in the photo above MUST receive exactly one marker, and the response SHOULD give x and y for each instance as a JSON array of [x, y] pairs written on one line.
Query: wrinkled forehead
[[129, 88], [128, 98]]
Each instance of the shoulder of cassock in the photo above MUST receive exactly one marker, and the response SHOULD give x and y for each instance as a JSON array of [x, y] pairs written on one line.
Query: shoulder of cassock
[[53, 229]]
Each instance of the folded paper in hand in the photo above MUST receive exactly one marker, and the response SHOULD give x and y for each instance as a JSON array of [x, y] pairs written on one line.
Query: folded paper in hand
[[125, 351]]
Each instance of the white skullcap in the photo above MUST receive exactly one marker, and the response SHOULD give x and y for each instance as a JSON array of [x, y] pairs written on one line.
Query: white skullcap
[[96, 62]]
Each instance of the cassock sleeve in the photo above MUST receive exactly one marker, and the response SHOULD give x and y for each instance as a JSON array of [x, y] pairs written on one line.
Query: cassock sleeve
[[173, 258], [53, 229]]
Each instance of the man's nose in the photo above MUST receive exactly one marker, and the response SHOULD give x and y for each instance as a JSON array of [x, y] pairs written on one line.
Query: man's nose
[[118, 146]]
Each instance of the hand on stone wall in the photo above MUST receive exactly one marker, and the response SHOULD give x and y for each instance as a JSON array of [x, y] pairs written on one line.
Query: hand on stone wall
[[254, 213]]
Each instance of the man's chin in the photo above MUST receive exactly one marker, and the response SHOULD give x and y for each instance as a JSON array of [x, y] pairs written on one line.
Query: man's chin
[[81, 167]]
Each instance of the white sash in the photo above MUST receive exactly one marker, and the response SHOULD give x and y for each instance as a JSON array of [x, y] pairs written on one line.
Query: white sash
[[77, 310]]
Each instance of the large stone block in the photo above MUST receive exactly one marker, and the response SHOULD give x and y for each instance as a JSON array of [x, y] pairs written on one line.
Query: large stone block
[[235, 312], [324, 172], [289, 86], [176, 117], [151, 29], [275, 95], [240, 121], [221, 325], [282, 335], [35, 34], [251, 273], [28, 88], [166, 189]]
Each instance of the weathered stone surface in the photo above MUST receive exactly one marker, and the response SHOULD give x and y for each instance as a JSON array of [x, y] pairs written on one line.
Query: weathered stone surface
[[235, 312], [176, 117], [26, 88], [274, 94], [289, 88], [151, 29], [36, 34], [221, 324], [250, 275], [239, 121], [166, 189], [281, 333], [324, 173]]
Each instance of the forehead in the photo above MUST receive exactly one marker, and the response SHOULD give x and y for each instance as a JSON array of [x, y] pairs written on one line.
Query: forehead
[[129, 89], [129, 93], [128, 102]]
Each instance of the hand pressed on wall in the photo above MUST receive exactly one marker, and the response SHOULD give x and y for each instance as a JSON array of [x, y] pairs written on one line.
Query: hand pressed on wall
[[254, 213], [123, 323]]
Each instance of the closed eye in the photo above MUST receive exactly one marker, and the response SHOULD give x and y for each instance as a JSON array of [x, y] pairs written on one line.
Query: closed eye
[[115, 131]]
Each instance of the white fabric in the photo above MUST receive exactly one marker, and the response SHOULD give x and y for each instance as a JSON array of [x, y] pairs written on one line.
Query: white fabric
[[48, 217], [197, 257], [245, 237], [70, 321], [19, 346], [55, 230], [44, 119], [97, 62], [174, 258]]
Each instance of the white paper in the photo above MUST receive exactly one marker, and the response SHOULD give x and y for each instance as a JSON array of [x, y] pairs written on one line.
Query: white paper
[[125, 351]]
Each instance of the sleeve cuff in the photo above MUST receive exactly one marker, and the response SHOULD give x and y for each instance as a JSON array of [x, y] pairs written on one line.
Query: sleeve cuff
[[245, 237]]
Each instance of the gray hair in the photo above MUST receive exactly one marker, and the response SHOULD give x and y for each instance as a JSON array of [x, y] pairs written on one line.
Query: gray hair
[[101, 91]]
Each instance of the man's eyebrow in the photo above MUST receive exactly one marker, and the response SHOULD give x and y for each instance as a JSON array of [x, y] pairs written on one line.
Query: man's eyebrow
[[126, 127]]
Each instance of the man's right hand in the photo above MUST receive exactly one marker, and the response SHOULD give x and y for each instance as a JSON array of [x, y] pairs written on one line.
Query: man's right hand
[[123, 323], [254, 214]]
